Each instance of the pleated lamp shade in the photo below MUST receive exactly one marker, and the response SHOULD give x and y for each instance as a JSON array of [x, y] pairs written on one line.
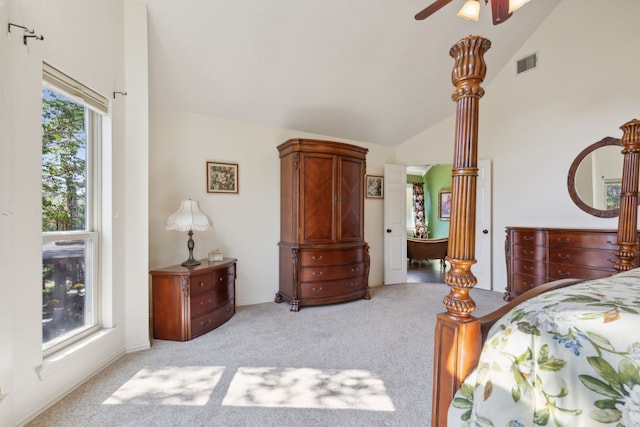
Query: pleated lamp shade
[[188, 217]]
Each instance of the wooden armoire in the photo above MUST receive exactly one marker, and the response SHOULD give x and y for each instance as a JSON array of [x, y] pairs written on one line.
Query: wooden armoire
[[323, 256]]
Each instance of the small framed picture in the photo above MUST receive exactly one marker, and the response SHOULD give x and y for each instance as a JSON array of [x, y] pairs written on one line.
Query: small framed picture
[[444, 205], [375, 189], [222, 177]]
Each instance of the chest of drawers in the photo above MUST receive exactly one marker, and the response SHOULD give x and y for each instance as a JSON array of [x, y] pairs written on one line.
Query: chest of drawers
[[323, 276], [191, 301], [538, 255]]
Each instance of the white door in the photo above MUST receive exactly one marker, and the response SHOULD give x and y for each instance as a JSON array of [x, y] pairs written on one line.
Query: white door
[[482, 268], [395, 227]]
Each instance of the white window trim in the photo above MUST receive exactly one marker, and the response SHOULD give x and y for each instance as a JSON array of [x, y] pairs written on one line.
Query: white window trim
[[98, 107]]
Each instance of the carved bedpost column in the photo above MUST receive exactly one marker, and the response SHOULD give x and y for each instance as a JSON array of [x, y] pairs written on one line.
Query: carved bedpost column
[[468, 72], [457, 333], [628, 218]]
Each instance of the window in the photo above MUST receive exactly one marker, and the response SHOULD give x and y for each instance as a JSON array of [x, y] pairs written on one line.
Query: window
[[410, 211], [71, 142]]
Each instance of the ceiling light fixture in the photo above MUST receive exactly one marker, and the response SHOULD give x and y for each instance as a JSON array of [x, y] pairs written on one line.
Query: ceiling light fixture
[[470, 10], [516, 4]]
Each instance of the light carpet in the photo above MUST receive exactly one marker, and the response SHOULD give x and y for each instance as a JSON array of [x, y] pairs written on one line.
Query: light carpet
[[361, 363]]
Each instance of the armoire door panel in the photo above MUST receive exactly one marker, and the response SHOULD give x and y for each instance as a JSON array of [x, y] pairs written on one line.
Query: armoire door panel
[[350, 200], [318, 198]]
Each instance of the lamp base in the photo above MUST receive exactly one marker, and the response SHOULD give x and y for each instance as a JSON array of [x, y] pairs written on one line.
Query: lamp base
[[190, 263]]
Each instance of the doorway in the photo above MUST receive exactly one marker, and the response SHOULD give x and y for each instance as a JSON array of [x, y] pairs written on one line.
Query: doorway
[[420, 196], [396, 225]]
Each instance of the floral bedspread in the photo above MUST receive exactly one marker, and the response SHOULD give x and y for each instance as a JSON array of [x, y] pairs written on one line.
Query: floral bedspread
[[569, 357]]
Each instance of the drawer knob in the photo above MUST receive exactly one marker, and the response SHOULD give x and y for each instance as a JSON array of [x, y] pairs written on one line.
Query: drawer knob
[[527, 252], [202, 284], [317, 289], [527, 268], [317, 257], [563, 273], [317, 273], [205, 323], [354, 285], [356, 269], [220, 279]]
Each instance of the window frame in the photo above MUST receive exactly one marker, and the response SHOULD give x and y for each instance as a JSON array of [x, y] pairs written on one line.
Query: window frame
[[96, 108]]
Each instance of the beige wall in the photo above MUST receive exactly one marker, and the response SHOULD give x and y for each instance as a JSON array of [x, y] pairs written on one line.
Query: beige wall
[[533, 125], [246, 226]]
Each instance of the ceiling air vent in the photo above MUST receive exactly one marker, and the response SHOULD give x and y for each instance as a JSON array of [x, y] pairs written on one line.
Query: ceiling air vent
[[527, 63]]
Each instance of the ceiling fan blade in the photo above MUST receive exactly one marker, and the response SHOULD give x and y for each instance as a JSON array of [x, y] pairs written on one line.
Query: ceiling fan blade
[[500, 11], [433, 8]]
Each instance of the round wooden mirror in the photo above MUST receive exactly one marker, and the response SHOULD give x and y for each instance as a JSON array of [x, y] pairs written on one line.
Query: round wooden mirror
[[595, 178]]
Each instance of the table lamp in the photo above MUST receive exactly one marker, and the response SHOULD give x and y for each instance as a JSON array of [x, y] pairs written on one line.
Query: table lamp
[[189, 217]]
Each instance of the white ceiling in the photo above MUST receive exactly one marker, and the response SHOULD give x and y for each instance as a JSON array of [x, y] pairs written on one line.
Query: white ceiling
[[364, 70]]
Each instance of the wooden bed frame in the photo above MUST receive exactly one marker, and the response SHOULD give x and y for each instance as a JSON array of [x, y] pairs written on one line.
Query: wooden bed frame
[[458, 335]]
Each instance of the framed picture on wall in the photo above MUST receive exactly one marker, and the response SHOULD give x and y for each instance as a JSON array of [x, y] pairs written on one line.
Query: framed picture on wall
[[222, 177], [375, 189], [444, 205]]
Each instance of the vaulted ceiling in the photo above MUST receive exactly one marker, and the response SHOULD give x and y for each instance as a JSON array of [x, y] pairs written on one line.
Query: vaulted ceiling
[[364, 70]]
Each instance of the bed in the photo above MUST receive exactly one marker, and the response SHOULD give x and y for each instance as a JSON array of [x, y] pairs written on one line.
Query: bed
[[563, 353], [427, 249]]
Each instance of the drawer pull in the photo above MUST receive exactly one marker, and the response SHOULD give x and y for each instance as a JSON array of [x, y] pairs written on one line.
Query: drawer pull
[[528, 285], [317, 273], [563, 273], [355, 270], [564, 256], [527, 268], [526, 252], [563, 240], [317, 289], [527, 237], [208, 322], [317, 257], [202, 284], [205, 302], [354, 285], [220, 279]]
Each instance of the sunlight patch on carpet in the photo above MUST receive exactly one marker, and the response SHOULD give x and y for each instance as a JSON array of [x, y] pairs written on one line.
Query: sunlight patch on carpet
[[170, 385], [308, 388]]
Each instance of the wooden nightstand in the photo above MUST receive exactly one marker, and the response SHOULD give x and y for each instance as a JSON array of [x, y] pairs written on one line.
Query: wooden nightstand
[[191, 301]]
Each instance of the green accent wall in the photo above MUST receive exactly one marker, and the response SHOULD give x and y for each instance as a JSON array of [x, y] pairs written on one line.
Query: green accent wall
[[437, 178]]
